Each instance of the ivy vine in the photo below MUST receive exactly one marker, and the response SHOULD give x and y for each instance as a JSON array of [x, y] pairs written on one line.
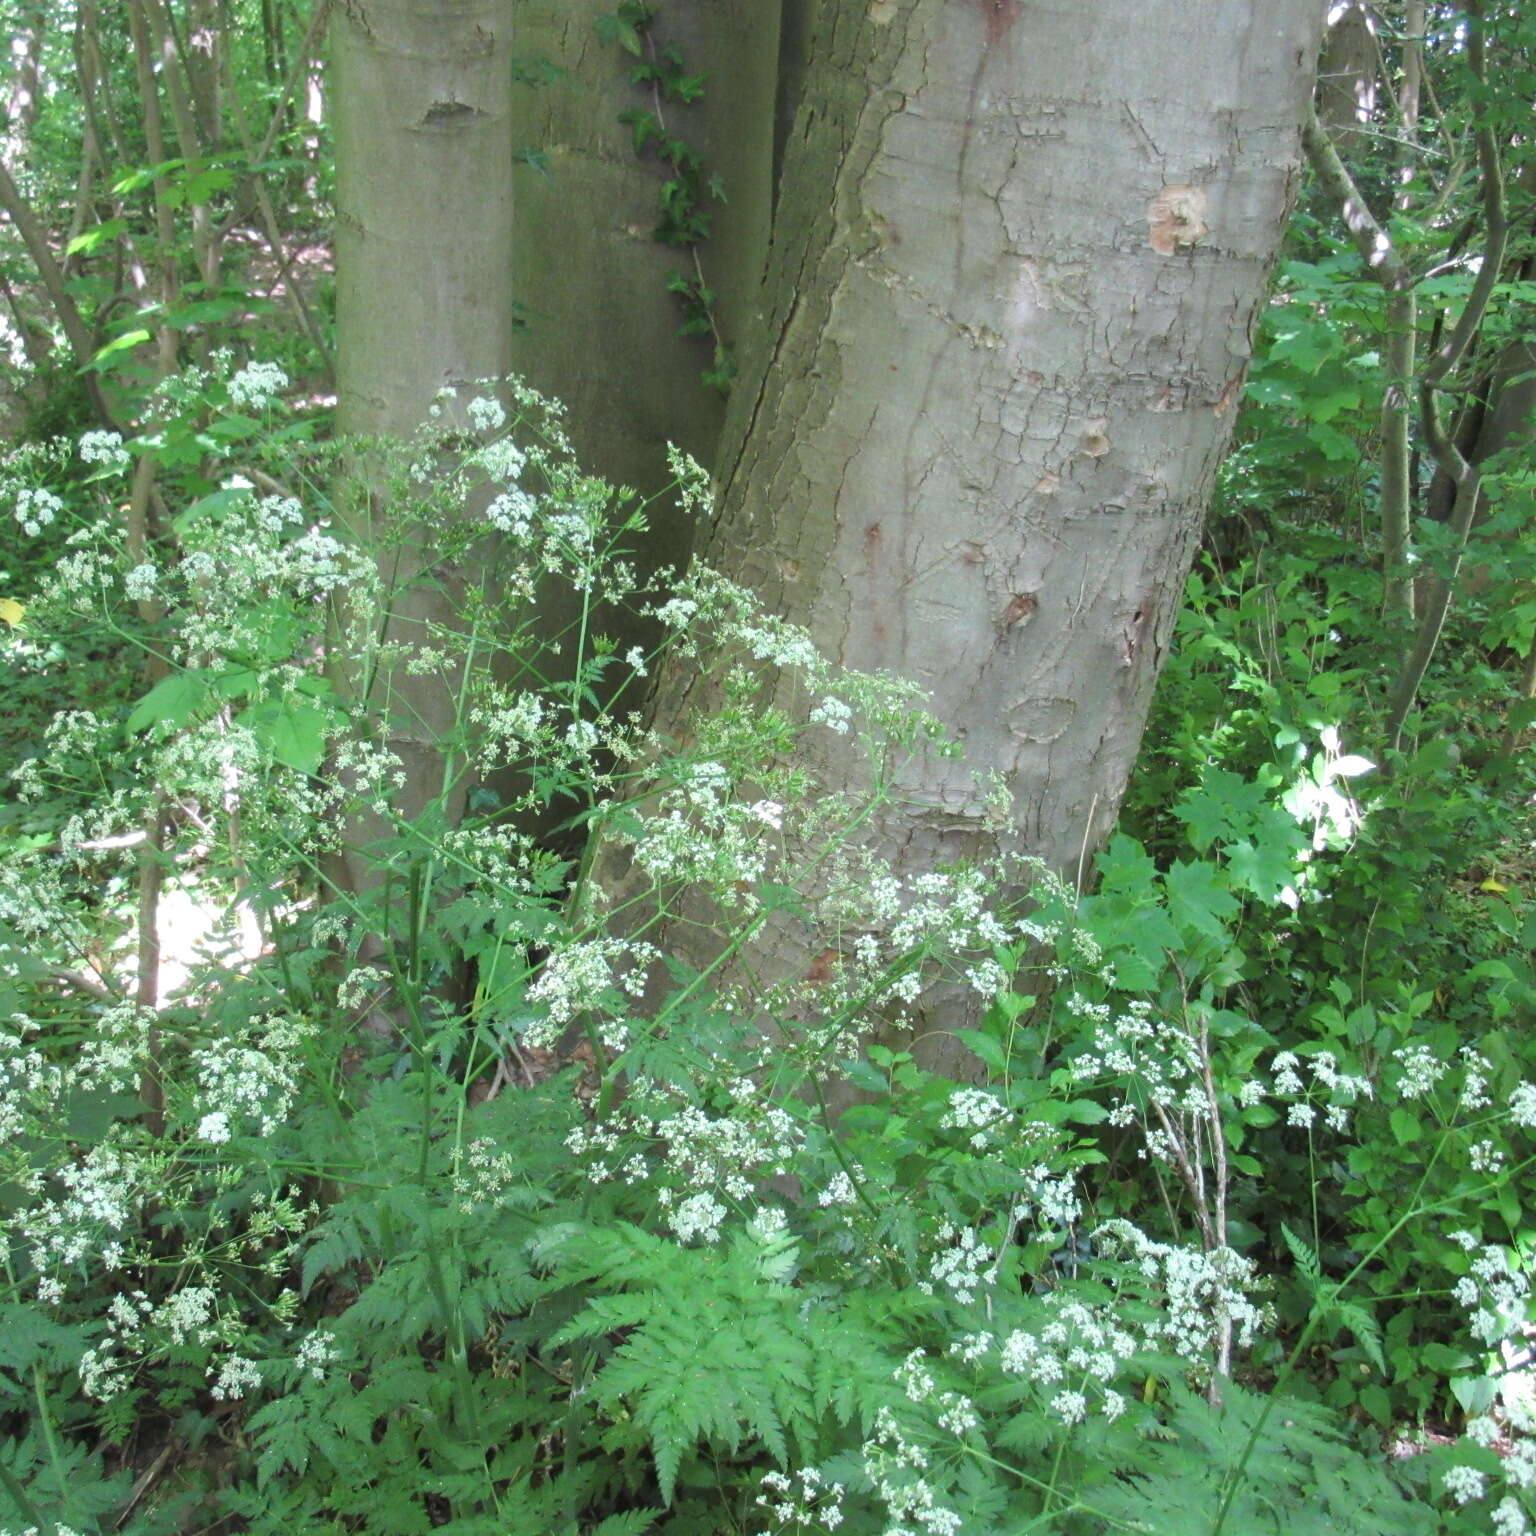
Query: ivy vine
[[685, 218]]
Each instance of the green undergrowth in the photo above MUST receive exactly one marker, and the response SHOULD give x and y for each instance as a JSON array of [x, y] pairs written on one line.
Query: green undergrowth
[[452, 1198]]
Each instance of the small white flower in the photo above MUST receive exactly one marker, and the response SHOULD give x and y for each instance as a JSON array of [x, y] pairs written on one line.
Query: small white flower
[[139, 583], [486, 414], [257, 385], [1464, 1484], [1522, 1106], [1509, 1519], [214, 1128]]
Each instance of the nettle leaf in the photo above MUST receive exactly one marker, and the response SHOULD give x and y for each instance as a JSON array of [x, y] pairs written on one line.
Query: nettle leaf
[[174, 699], [1199, 898], [292, 730]]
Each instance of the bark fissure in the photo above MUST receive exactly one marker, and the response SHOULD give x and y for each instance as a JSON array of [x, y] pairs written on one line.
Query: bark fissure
[[1004, 352]]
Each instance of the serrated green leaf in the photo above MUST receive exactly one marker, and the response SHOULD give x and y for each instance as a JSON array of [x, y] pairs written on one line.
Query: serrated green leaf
[[175, 699]]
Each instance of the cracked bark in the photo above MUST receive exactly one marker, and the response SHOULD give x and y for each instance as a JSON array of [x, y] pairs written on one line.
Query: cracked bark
[[1014, 277]]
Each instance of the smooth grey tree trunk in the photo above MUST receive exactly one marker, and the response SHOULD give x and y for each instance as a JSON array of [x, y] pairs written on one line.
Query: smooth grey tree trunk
[[422, 118], [1018, 257], [422, 115]]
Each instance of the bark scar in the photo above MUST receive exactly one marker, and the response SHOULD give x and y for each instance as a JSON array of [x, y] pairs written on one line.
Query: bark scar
[[1001, 15], [449, 114], [1020, 610]]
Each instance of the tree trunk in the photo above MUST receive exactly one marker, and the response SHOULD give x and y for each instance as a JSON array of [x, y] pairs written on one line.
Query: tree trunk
[[423, 252], [1017, 261], [1349, 72], [424, 203], [600, 329]]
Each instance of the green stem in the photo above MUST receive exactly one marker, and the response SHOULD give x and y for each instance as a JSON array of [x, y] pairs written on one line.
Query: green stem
[[50, 1437]]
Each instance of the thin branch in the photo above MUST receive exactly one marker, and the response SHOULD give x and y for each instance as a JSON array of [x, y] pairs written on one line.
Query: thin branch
[[1463, 474], [1382, 258], [297, 71]]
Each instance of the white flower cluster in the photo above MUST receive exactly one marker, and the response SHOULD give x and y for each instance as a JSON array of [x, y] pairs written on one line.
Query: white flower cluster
[[234, 1378], [257, 385], [103, 1191], [361, 987], [1522, 1106], [954, 1412], [28, 1080], [72, 734], [698, 1217], [961, 1265], [112, 1056], [1464, 1484], [1420, 1068], [1086, 1342], [937, 919], [1340, 1090], [1494, 1293], [252, 1077], [729, 1152], [104, 448], [482, 1175], [699, 835], [366, 771], [581, 976], [512, 512], [1201, 1294], [1159, 1059], [839, 1190], [1509, 1519], [697, 1161], [316, 1354], [897, 1468], [977, 1111], [138, 1328], [487, 414], [140, 583], [816, 1504], [1476, 1071], [35, 508]]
